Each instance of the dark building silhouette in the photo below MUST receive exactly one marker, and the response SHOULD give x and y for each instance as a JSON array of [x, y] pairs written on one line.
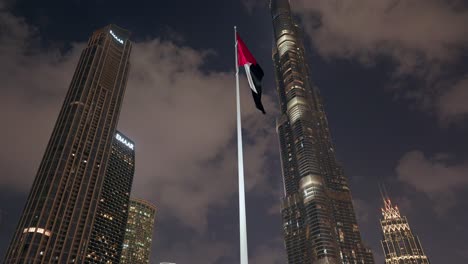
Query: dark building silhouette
[[318, 216], [56, 223], [399, 244], [107, 235], [139, 232]]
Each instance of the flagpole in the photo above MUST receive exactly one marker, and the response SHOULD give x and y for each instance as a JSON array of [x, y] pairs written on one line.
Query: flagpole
[[244, 257]]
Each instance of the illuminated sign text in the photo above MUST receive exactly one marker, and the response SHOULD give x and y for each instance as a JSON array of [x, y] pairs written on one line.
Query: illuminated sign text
[[115, 37], [124, 141]]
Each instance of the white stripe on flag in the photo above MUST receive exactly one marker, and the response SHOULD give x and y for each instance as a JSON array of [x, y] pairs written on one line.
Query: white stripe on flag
[[249, 77]]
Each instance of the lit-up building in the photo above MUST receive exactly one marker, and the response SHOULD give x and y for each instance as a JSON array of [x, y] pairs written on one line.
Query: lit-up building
[[139, 232], [319, 221], [399, 244], [107, 235], [56, 223]]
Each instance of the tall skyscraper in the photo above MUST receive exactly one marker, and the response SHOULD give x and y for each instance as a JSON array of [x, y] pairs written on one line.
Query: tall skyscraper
[[318, 216], [139, 232], [56, 223], [107, 235], [399, 244]]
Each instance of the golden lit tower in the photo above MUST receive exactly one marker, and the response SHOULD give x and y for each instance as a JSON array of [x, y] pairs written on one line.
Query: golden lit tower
[[399, 244], [58, 217]]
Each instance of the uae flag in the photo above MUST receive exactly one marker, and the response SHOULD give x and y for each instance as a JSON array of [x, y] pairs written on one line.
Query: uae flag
[[253, 71]]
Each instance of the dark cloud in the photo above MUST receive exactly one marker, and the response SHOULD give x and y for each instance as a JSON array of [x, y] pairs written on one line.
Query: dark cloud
[[438, 176], [4, 4], [453, 103], [422, 37], [271, 253], [34, 84], [362, 210], [406, 30]]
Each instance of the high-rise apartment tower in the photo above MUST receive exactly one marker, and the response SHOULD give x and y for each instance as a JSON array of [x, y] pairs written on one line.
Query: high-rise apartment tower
[[57, 221], [139, 232], [399, 244], [107, 235], [318, 216]]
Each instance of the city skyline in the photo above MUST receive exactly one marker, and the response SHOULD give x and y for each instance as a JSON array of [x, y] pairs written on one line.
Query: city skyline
[[393, 118]]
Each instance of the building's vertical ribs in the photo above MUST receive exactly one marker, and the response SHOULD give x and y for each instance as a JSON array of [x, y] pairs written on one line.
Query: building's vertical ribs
[[57, 220], [318, 216]]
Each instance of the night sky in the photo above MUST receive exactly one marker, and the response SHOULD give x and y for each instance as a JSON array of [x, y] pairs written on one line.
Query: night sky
[[393, 75]]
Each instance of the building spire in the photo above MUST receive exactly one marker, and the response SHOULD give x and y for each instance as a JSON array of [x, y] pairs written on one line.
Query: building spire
[[385, 197], [381, 192]]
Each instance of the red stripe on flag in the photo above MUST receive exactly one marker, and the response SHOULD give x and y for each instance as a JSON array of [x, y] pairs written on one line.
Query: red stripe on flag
[[244, 55]]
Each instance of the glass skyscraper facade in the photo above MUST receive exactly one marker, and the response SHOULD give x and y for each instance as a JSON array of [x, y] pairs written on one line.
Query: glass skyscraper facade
[[139, 232], [107, 235], [56, 223], [399, 244], [318, 216]]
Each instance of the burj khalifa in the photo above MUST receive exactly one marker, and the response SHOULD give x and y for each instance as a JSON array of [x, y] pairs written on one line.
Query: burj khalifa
[[319, 221]]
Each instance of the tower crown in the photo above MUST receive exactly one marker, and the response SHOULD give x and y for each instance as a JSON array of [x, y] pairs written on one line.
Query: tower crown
[[399, 243], [390, 211]]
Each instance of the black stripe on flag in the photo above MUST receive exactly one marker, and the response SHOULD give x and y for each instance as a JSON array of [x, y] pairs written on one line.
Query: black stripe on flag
[[257, 75]]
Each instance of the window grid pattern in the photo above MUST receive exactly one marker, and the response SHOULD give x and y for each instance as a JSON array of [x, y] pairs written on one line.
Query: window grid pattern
[[63, 198], [107, 235], [139, 232], [306, 149]]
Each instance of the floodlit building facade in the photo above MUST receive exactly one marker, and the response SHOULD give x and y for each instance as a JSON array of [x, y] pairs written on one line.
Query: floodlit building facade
[[56, 223], [318, 216], [139, 232], [399, 244]]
